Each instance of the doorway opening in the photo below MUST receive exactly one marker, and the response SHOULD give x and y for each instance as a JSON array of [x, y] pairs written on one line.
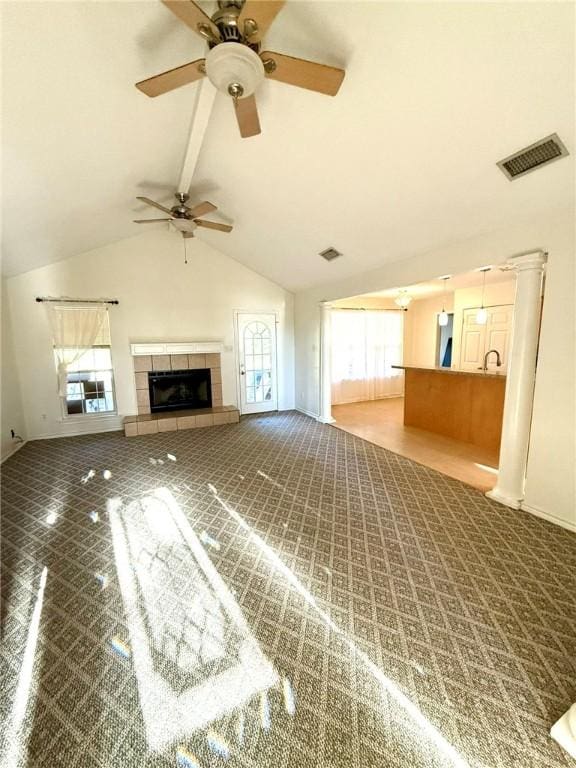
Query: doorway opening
[[444, 342], [392, 379]]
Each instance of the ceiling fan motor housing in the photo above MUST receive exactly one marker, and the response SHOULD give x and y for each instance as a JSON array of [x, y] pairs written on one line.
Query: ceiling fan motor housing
[[229, 65], [226, 19], [181, 211]]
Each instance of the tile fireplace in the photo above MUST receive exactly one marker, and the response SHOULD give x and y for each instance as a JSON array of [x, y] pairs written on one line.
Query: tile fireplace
[[177, 390]]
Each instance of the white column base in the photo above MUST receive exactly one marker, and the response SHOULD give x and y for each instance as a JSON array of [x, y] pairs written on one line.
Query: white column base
[[564, 731], [508, 501], [326, 420]]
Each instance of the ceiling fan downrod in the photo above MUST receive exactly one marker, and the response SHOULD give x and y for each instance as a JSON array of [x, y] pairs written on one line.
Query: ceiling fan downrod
[[226, 19]]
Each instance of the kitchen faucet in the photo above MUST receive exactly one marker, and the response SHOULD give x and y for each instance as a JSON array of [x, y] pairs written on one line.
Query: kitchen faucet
[[498, 360]]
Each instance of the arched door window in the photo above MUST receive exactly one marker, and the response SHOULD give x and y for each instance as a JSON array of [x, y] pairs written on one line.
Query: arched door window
[[258, 362]]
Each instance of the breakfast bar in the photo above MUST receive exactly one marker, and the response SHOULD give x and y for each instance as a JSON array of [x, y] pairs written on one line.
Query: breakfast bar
[[465, 405]]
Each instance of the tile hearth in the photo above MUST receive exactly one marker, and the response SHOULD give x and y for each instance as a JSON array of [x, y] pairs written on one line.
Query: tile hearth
[[171, 421]]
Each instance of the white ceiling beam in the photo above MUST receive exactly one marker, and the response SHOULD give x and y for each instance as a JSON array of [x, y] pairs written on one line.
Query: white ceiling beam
[[205, 94]]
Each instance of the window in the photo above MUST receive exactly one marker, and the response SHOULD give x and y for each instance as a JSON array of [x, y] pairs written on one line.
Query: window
[[83, 358], [365, 346], [258, 360], [89, 383]]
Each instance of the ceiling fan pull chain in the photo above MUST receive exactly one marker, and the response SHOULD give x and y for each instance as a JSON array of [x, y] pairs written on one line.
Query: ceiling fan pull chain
[[185, 254]]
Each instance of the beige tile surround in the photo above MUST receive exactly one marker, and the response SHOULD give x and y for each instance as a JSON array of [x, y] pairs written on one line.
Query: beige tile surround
[[146, 423], [145, 363]]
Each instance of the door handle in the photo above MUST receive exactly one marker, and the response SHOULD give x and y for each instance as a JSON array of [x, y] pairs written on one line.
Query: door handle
[[242, 370]]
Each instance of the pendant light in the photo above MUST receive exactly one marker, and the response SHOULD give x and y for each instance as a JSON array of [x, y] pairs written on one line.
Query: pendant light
[[403, 299], [443, 316], [482, 314]]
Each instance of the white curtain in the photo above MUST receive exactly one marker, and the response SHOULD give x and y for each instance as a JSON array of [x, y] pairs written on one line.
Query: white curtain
[[365, 346], [75, 329]]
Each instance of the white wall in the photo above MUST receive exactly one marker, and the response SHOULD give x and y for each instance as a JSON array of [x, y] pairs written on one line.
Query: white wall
[[551, 466], [550, 482], [161, 298], [421, 324], [11, 414]]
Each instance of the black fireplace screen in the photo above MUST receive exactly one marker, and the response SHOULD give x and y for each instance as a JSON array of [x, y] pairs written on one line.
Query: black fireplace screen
[[175, 390]]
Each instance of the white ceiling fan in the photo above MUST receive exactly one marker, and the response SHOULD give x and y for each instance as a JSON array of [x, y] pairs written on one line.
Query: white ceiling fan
[[235, 64]]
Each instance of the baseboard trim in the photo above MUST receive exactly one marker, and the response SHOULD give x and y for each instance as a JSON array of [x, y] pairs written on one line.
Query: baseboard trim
[[547, 516], [315, 416], [14, 450], [507, 501], [370, 399], [116, 427], [307, 413]]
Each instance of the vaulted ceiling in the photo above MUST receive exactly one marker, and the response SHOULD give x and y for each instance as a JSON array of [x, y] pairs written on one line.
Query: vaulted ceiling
[[400, 162]]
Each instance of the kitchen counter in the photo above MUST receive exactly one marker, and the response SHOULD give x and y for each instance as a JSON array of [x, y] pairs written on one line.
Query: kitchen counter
[[464, 405], [490, 373]]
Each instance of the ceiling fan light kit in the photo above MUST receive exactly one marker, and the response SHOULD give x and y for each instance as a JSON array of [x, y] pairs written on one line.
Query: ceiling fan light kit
[[234, 69], [234, 63]]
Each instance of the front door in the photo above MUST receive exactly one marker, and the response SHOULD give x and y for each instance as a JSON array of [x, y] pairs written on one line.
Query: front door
[[256, 336]]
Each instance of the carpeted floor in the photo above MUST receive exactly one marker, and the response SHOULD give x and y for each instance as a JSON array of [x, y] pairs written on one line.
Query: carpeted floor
[[275, 593]]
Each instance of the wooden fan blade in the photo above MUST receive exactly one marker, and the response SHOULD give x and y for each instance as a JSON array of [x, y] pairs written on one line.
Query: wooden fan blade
[[256, 17], [149, 221], [173, 78], [155, 205], [213, 225], [202, 208], [194, 17], [247, 116], [302, 73]]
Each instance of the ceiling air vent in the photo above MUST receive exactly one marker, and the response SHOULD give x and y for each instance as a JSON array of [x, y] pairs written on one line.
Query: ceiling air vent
[[330, 254], [536, 155]]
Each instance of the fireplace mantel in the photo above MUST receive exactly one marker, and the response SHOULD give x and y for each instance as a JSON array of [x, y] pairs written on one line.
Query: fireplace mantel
[[175, 348]]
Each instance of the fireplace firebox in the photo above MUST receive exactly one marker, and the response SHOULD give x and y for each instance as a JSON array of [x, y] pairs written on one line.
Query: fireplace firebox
[[176, 390]]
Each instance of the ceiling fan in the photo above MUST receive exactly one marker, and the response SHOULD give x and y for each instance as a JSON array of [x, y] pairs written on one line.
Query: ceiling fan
[[184, 218], [235, 64]]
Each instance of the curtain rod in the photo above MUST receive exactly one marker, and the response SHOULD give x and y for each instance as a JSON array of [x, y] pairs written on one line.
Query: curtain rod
[[366, 309], [77, 301]]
